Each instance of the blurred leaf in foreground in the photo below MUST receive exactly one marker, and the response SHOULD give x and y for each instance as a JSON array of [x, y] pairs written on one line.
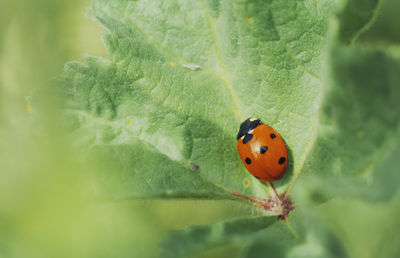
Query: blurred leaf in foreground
[[366, 230], [43, 211], [193, 239]]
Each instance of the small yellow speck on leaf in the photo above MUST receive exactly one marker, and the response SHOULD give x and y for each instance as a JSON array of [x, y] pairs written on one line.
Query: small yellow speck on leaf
[[249, 18], [171, 63], [246, 182], [29, 107], [278, 80], [250, 70], [128, 122], [360, 134]]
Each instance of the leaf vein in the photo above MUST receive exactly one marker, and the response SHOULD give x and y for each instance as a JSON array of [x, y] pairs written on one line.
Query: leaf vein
[[225, 78]]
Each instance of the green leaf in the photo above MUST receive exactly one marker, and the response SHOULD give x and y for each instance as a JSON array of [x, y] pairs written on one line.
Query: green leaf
[[197, 238], [355, 18], [363, 222], [379, 183], [159, 129], [256, 59], [123, 157], [361, 99], [258, 237], [359, 120], [312, 239], [386, 27]]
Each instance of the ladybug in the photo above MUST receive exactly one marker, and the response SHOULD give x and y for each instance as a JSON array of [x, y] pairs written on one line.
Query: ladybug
[[262, 150]]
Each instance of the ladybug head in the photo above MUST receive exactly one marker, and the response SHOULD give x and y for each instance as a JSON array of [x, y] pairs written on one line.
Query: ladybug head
[[248, 125]]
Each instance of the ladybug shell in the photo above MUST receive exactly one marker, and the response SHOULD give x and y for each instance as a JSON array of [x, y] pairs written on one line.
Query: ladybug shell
[[262, 150]]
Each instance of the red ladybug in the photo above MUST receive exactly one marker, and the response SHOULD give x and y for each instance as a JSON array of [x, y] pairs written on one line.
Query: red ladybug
[[262, 150]]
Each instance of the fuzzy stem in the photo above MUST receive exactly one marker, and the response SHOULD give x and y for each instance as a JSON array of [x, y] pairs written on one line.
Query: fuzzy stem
[[291, 229], [273, 188]]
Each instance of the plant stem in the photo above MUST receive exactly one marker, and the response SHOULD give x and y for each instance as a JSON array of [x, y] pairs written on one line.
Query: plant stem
[[273, 188]]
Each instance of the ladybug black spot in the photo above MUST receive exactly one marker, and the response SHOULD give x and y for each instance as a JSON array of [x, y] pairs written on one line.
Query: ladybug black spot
[[248, 161], [272, 136], [263, 149], [257, 177], [281, 160], [247, 138]]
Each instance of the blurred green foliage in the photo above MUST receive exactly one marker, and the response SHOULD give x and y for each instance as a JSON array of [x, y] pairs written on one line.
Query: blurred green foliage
[[45, 210]]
